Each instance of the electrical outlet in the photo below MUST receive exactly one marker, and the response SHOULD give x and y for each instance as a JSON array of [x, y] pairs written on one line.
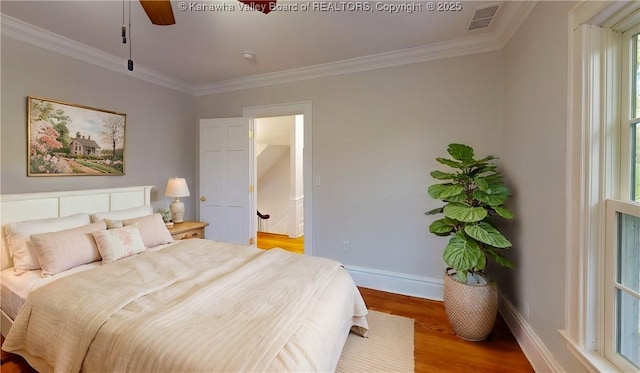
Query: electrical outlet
[[346, 245]]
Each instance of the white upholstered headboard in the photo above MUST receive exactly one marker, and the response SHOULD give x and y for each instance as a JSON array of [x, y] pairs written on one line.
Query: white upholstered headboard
[[27, 206]]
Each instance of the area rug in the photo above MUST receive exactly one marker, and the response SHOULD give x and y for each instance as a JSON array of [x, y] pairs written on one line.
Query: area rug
[[388, 348]]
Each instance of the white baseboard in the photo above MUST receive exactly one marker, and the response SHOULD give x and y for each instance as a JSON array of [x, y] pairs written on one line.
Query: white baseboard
[[399, 283], [534, 349]]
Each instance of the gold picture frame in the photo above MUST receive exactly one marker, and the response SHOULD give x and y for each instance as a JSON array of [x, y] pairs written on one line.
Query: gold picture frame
[[73, 140]]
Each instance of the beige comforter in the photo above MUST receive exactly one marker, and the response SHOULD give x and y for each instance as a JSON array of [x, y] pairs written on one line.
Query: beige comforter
[[195, 306]]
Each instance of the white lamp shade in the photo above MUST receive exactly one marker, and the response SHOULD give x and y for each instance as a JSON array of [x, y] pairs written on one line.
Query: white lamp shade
[[177, 187]]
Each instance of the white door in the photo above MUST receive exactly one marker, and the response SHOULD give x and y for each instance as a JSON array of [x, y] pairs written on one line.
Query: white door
[[226, 200]]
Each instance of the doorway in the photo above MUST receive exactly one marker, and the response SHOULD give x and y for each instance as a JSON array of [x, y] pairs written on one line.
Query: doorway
[[296, 228], [279, 186]]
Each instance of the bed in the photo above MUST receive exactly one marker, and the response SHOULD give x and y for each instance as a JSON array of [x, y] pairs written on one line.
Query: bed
[[118, 294]]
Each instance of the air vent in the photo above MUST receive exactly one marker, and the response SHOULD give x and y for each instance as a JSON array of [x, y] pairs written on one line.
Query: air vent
[[483, 17]]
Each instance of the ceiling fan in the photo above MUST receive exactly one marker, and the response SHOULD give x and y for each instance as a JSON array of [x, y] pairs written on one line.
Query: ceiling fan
[[160, 11]]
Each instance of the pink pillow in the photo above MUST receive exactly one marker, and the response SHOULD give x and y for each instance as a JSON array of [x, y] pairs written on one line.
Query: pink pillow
[[118, 243], [59, 251], [19, 238], [153, 230]]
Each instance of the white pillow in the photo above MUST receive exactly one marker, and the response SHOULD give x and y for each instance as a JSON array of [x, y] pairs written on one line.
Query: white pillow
[[130, 213], [19, 242], [59, 251], [153, 229], [118, 243]]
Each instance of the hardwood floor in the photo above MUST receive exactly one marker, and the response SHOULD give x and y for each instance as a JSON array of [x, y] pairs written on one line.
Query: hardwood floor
[[437, 349], [271, 240], [14, 364]]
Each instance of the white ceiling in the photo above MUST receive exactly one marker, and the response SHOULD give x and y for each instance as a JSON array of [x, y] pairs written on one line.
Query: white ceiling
[[202, 52]]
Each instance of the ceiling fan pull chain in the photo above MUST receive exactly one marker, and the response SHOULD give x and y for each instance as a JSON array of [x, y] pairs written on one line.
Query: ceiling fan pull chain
[[123, 29], [130, 62]]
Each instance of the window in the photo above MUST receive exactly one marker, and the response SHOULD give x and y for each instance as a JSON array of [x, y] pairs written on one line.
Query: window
[[602, 325], [622, 244]]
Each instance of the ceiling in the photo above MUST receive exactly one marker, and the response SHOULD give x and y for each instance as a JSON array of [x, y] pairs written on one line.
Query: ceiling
[[202, 52]]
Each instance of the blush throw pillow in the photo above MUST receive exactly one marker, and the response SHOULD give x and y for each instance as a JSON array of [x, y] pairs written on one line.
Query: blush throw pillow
[[59, 251], [18, 236], [118, 243], [153, 230]]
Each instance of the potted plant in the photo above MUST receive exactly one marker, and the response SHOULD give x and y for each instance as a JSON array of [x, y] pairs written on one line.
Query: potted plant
[[166, 216], [473, 194]]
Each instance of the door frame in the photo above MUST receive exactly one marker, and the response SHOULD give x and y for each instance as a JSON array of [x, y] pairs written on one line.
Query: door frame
[[278, 110]]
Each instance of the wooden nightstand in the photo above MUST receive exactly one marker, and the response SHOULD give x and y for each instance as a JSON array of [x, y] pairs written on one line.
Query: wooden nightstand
[[188, 229]]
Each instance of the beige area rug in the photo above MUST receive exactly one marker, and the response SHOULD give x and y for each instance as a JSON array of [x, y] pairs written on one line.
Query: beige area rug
[[388, 348]]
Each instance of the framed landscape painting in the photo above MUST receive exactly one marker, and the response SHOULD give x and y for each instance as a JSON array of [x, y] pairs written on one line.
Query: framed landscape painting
[[67, 139]]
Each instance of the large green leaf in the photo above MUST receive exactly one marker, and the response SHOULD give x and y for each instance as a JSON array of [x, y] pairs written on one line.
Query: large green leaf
[[462, 253], [434, 211], [451, 222], [441, 227], [487, 159], [481, 183], [498, 258], [487, 234], [461, 152], [462, 276], [450, 162], [495, 195], [494, 178], [504, 212], [457, 198], [442, 191], [439, 175], [464, 213]]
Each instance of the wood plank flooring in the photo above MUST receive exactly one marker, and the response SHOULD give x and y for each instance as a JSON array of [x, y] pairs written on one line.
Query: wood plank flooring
[[437, 349], [271, 240]]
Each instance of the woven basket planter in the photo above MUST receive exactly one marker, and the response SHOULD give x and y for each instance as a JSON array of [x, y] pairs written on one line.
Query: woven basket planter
[[471, 309]]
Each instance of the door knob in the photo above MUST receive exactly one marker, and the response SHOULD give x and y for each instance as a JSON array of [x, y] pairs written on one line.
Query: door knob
[[203, 198]]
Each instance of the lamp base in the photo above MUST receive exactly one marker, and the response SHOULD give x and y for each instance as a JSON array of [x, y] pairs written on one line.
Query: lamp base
[[177, 211]]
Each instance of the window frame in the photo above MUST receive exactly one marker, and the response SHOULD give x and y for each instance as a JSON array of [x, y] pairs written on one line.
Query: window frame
[[594, 172], [622, 201]]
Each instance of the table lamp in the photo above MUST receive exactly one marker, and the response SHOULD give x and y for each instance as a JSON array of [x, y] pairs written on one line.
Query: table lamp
[[177, 187]]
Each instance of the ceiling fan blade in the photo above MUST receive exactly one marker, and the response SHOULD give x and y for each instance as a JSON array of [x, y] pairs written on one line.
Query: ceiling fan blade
[[265, 6], [159, 12]]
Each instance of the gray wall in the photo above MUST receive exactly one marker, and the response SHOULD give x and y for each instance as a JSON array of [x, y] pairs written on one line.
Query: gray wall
[[160, 130], [535, 119], [375, 137]]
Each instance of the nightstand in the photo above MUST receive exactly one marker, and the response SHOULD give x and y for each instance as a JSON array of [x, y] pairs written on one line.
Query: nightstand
[[188, 229]]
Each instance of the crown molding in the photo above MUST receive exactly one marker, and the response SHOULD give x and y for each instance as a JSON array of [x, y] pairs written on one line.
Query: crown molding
[[455, 48], [515, 15], [512, 19], [39, 37]]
